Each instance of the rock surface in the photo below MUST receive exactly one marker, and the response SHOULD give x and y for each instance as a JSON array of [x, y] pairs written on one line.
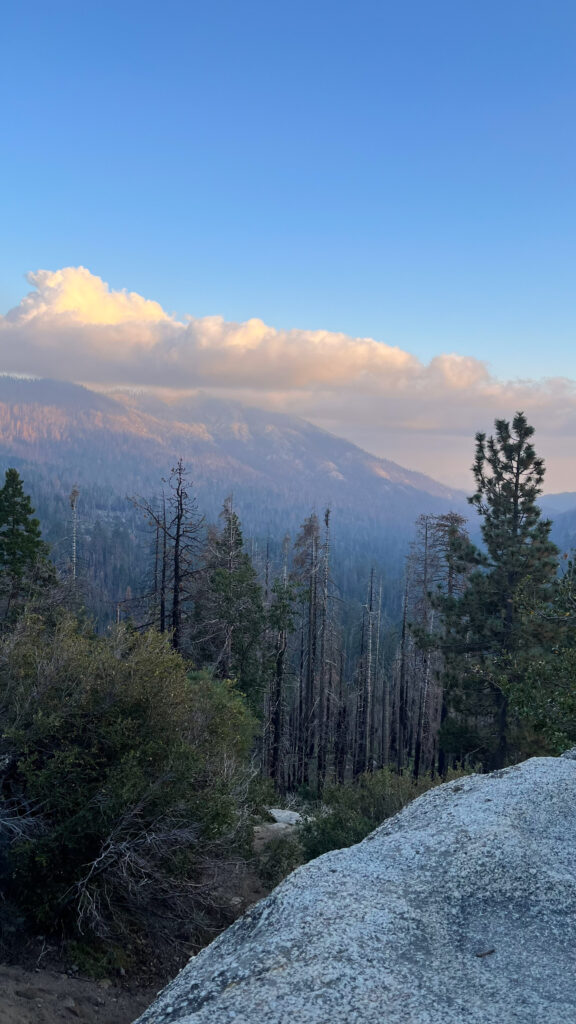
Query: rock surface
[[460, 910], [285, 817]]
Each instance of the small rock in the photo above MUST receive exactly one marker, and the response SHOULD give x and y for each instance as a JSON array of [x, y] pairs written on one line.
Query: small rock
[[285, 817]]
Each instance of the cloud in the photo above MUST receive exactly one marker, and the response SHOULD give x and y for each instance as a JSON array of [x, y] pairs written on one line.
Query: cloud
[[73, 326], [75, 294]]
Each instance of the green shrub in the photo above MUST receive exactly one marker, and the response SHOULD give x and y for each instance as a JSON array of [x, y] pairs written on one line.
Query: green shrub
[[278, 858], [139, 771], [333, 830], [98, 959], [352, 811]]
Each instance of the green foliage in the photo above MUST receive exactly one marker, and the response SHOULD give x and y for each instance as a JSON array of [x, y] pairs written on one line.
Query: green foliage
[[546, 702], [137, 769], [338, 828], [230, 612], [23, 554], [485, 630], [262, 794], [509, 478], [278, 858], [353, 811], [281, 613], [20, 537], [99, 959], [539, 681]]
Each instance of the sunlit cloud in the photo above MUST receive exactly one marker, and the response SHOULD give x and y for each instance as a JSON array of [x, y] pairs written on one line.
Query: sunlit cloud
[[75, 293], [73, 326]]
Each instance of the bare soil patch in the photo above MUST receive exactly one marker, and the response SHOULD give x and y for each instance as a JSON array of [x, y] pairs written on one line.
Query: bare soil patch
[[49, 997]]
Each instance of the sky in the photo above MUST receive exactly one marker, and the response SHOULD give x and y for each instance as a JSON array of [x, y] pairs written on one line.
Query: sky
[[383, 194]]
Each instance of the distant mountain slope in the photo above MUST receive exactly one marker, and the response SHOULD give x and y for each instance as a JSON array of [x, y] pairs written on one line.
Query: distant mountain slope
[[129, 442], [564, 531], [561, 509], [278, 468], [556, 504]]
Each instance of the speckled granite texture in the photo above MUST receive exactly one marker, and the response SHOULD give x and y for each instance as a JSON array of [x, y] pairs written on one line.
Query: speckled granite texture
[[460, 910]]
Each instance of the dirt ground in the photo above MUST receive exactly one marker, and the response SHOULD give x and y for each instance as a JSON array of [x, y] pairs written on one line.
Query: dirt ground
[[48, 997], [51, 994]]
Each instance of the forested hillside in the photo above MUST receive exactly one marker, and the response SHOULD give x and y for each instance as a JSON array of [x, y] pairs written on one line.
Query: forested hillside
[[163, 676], [278, 469]]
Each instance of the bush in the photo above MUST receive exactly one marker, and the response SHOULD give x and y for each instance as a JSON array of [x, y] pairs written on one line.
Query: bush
[[352, 811], [278, 858], [138, 769]]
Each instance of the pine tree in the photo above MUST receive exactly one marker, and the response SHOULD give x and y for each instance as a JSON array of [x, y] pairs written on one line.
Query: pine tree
[[21, 544], [543, 693], [230, 618], [484, 629]]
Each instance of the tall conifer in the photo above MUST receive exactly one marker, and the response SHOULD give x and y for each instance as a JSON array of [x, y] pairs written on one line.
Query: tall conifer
[[484, 627], [21, 545], [230, 612]]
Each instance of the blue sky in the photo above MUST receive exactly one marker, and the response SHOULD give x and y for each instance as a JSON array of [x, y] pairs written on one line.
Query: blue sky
[[401, 171]]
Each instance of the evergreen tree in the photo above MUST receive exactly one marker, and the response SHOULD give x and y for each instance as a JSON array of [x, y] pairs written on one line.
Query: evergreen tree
[[21, 547], [539, 680], [484, 630], [230, 619]]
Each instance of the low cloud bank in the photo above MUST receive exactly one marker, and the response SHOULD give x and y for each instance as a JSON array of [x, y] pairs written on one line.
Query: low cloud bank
[[72, 326]]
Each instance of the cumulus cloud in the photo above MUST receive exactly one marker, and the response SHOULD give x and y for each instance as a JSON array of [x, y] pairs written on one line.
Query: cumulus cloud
[[80, 296], [73, 326]]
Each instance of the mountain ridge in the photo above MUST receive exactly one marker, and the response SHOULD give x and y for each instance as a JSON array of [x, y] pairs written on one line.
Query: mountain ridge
[[39, 416]]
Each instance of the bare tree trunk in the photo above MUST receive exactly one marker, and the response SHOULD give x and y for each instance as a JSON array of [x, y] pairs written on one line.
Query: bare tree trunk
[[164, 566], [176, 564], [359, 751], [423, 685], [369, 695], [276, 709], [311, 710], [301, 771], [322, 694], [402, 704], [341, 739]]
